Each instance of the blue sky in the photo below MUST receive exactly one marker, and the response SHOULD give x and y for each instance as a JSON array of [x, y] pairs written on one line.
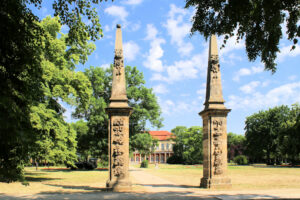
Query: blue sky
[[156, 39]]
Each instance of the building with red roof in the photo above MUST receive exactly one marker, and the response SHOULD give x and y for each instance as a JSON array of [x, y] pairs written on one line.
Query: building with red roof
[[162, 151]]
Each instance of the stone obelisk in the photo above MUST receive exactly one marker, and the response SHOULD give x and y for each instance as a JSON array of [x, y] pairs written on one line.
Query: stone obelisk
[[118, 125], [214, 118]]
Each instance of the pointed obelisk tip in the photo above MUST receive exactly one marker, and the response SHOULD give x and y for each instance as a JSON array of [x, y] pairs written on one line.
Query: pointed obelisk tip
[[213, 46], [118, 25]]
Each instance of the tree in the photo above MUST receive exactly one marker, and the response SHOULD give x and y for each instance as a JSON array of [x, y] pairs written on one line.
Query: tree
[[235, 145], [21, 72], [142, 99], [143, 143], [49, 137], [81, 128], [258, 21], [289, 137], [262, 134], [188, 145]]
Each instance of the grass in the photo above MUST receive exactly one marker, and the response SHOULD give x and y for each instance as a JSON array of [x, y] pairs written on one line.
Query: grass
[[57, 180], [257, 177], [60, 180]]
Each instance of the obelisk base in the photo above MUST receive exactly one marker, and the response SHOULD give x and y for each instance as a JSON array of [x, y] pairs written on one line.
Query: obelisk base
[[215, 183], [115, 185]]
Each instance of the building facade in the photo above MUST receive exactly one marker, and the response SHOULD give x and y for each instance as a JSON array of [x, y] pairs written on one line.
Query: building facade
[[161, 152]]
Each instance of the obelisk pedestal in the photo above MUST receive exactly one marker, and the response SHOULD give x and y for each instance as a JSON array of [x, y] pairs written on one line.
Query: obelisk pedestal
[[118, 126], [214, 118]]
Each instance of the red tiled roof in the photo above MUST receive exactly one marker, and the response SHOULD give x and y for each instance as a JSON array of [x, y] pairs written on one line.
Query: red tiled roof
[[161, 135]]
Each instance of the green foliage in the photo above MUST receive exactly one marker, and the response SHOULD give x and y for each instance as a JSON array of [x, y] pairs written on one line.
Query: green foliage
[[241, 160], [46, 135], [188, 145], [82, 138], [142, 99], [273, 135], [289, 137], [144, 164], [20, 77], [235, 145], [143, 143], [258, 21]]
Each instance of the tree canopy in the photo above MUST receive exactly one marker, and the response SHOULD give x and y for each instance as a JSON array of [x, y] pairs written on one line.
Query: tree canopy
[[142, 99], [272, 136], [188, 145], [46, 135], [143, 143], [260, 22]]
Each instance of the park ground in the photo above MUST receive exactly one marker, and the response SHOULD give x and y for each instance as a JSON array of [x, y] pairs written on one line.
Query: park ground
[[162, 182]]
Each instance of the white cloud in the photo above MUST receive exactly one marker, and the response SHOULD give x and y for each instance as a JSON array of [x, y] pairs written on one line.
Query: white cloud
[[105, 66], [230, 46], [117, 11], [184, 69], [201, 92], [247, 72], [151, 32], [106, 28], [160, 89], [155, 53], [292, 77], [178, 30], [286, 52], [250, 87], [170, 107], [284, 94], [132, 2], [131, 50]]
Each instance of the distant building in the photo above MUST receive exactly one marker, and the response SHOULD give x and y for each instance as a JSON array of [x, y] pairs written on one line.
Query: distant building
[[163, 150]]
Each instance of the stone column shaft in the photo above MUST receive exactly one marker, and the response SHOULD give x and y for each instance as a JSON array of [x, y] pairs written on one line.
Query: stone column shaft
[[214, 118]]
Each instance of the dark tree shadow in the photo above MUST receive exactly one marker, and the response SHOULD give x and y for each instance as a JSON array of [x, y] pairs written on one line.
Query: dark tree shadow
[[76, 187], [137, 195], [169, 185]]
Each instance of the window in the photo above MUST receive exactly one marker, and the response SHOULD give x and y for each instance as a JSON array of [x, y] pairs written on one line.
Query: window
[[162, 146], [152, 158], [168, 146], [137, 159]]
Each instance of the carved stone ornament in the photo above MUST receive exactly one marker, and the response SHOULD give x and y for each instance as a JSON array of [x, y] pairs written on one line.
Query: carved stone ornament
[[118, 171], [118, 53], [117, 151], [118, 62], [118, 161], [217, 127], [215, 66]]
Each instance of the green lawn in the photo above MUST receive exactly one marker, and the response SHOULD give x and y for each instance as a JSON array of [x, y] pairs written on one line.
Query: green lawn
[[57, 180], [242, 177]]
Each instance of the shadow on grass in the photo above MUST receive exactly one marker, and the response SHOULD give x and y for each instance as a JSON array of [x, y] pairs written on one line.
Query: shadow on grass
[[39, 179], [168, 185], [76, 187], [137, 195], [70, 170]]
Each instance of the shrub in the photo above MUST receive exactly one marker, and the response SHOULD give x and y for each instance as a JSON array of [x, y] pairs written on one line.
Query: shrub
[[175, 160], [144, 164], [241, 160]]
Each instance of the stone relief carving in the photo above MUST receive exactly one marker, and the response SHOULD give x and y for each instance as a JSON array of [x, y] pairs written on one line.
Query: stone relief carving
[[217, 132], [118, 171], [215, 66], [118, 141], [117, 151], [118, 61]]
